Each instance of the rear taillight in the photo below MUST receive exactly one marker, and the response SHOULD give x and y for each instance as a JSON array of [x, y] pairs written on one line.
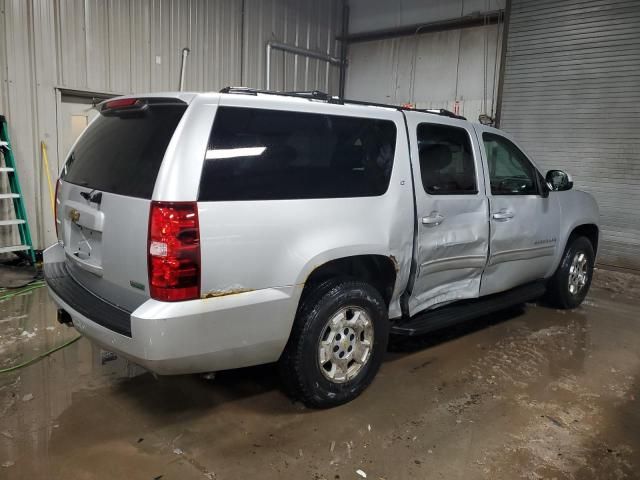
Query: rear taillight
[[174, 251], [123, 107], [120, 103], [55, 207]]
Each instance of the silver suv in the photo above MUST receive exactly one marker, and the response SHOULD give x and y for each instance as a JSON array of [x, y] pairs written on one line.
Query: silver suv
[[203, 232]]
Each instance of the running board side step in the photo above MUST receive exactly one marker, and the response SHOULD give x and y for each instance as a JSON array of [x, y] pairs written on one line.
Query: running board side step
[[442, 317]]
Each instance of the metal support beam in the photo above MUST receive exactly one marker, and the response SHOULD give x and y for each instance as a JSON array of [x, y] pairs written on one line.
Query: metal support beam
[[297, 51], [473, 20]]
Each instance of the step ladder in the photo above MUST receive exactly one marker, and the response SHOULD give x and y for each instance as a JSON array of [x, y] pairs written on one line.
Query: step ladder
[[15, 194]]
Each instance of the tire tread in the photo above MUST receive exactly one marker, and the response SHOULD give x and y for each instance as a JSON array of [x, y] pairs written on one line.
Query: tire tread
[[291, 364], [557, 294]]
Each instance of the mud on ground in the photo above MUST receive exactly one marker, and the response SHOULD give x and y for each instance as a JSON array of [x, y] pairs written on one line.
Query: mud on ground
[[530, 393]]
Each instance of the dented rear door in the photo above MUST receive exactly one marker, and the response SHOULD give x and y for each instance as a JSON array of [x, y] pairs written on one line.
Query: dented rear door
[[452, 239]]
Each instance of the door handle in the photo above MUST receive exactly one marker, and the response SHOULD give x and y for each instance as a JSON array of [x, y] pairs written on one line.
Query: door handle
[[503, 214], [433, 220]]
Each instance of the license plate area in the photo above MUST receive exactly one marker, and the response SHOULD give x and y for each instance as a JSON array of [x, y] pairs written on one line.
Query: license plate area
[[85, 244], [83, 236]]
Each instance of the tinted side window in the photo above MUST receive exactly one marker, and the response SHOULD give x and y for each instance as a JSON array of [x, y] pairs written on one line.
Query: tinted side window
[[258, 154], [446, 160], [510, 172]]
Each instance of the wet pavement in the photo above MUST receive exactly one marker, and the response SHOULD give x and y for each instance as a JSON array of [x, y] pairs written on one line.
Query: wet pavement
[[530, 393]]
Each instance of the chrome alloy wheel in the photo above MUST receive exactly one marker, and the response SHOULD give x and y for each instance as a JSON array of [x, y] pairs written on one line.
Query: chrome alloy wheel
[[345, 344], [578, 273]]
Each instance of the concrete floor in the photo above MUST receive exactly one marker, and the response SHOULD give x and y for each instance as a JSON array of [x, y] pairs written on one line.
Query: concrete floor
[[531, 393]]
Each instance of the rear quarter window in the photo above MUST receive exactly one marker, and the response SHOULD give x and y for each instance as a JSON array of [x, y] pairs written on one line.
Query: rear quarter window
[[258, 154], [122, 154]]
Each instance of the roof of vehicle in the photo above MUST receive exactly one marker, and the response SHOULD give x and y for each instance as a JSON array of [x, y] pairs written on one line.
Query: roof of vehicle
[[294, 97], [322, 96]]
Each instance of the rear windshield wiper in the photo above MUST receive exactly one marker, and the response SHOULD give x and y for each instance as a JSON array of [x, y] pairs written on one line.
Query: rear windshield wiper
[[92, 196]]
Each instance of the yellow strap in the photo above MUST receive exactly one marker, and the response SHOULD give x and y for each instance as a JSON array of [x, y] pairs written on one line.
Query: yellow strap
[[45, 159]]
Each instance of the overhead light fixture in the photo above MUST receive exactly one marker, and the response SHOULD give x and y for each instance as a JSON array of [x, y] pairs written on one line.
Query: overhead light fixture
[[218, 153]]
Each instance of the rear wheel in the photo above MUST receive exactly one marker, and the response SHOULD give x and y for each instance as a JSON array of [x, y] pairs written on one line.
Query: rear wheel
[[570, 284], [337, 344]]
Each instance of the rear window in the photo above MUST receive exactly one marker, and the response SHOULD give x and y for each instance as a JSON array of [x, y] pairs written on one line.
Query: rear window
[[258, 154], [122, 154]]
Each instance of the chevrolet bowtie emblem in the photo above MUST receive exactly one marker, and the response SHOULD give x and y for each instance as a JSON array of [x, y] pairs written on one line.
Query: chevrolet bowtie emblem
[[74, 215]]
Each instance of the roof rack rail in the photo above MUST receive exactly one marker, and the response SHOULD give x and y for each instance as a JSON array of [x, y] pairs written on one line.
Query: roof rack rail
[[318, 95], [436, 111], [245, 90], [311, 94], [314, 94]]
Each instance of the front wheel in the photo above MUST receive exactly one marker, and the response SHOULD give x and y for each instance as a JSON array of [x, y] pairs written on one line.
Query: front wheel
[[570, 284], [337, 344]]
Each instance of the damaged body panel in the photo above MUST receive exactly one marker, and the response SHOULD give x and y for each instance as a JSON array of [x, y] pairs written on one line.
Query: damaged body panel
[[451, 259], [226, 291]]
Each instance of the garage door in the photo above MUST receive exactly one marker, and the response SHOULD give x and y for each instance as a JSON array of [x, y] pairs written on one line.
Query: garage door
[[571, 95]]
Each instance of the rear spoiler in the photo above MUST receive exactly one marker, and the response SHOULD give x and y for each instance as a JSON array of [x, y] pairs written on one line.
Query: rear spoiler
[[133, 105]]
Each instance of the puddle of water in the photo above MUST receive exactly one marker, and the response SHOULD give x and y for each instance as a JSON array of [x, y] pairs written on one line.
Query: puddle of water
[[28, 328]]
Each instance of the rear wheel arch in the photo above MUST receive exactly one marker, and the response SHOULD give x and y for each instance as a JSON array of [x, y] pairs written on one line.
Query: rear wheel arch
[[379, 271]]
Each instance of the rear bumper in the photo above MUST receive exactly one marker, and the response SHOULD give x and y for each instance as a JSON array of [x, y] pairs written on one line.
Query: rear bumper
[[102, 312], [212, 334]]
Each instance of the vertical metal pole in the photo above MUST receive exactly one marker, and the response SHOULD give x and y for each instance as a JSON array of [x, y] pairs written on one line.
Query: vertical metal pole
[[242, 45], [267, 82], [503, 61], [343, 49], [183, 64]]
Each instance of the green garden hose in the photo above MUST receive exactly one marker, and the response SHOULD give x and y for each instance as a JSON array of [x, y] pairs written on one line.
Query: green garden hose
[[5, 295], [41, 356], [12, 293]]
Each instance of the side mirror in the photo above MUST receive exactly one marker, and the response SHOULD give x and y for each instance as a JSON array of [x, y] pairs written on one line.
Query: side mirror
[[559, 181]]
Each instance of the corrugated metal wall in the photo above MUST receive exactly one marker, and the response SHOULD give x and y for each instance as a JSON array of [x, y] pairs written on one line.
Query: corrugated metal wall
[[430, 70], [310, 24], [123, 46], [572, 97], [433, 70]]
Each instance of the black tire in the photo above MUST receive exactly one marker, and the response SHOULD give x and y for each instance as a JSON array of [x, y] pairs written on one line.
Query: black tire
[[558, 291], [299, 365]]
